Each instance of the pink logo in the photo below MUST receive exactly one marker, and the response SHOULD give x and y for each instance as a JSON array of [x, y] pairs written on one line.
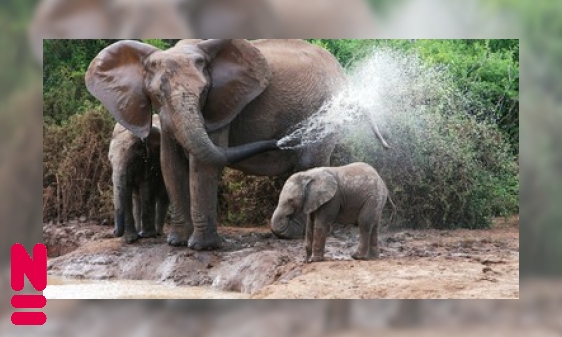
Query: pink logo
[[36, 271]]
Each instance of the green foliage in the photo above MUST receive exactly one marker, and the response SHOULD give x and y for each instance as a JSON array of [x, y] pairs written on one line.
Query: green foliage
[[345, 51], [486, 72], [453, 172], [65, 64], [159, 43]]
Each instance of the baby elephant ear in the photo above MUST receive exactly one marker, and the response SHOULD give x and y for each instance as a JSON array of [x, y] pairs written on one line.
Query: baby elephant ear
[[115, 77], [321, 189]]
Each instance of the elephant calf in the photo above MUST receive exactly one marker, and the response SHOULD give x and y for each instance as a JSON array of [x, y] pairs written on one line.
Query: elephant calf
[[353, 193], [139, 194]]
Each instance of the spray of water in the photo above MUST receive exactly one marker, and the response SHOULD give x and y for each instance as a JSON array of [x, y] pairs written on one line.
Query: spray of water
[[444, 165], [382, 89]]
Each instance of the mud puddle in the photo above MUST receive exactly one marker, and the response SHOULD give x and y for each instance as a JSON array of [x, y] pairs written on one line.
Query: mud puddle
[[253, 263]]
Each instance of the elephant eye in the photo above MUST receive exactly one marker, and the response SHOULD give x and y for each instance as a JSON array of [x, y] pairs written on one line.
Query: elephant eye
[[150, 65], [199, 63]]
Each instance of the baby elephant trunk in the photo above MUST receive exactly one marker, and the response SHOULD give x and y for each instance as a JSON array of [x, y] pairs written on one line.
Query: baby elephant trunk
[[288, 228]]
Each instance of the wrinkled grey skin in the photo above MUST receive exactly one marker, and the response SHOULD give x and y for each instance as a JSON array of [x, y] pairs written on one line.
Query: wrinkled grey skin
[[350, 194], [139, 194], [221, 103]]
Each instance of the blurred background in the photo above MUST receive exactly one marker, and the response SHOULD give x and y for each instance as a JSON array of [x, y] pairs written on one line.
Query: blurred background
[[25, 23]]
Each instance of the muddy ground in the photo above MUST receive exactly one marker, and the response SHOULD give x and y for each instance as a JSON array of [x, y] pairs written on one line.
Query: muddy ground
[[413, 264]]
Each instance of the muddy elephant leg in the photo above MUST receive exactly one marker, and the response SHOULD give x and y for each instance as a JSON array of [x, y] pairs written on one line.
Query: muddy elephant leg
[[204, 190], [137, 210], [374, 240], [320, 228], [204, 180], [162, 204], [148, 203], [131, 235], [309, 236], [175, 170], [123, 204], [367, 223]]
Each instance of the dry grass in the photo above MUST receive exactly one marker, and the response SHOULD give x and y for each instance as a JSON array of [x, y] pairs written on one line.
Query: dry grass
[[76, 171]]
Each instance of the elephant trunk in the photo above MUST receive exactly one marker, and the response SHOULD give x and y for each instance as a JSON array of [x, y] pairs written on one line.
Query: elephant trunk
[[192, 135], [241, 152], [286, 227]]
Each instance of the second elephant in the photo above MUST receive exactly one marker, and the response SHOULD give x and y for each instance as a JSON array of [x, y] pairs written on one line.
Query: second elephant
[[350, 194], [139, 194]]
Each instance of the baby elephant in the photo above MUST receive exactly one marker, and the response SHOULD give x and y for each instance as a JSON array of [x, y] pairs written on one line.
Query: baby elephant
[[353, 193], [139, 194]]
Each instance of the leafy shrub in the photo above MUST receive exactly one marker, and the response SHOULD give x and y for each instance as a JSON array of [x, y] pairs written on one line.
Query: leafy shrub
[[246, 200], [76, 171], [449, 172]]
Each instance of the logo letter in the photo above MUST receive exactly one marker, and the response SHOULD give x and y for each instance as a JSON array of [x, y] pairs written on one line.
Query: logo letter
[[36, 271]]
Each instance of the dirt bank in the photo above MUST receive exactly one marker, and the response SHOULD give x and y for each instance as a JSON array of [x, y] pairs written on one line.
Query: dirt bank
[[413, 264]]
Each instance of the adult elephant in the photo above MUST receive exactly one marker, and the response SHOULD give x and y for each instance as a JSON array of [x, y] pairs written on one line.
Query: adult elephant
[[220, 101]]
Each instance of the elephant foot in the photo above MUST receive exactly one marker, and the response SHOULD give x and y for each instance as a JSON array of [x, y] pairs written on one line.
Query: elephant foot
[[316, 259], [205, 241], [148, 234], [179, 234], [130, 237], [365, 257], [177, 239]]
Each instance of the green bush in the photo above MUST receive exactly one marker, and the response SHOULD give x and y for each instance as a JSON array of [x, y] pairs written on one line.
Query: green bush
[[486, 72], [448, 172]]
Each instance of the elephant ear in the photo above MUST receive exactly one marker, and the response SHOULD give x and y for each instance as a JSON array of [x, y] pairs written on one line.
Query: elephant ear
[[320, 189], [239, 73], [115, 77]]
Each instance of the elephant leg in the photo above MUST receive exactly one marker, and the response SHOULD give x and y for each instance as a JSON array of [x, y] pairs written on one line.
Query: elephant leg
[[204, 190], [367, 223], [162, 204], [204, 181], [318, 242], [148, 202], [374, 240], [123, 204], [131, 235], [137, 210], [324, 217], [309, 236], [175, 170]]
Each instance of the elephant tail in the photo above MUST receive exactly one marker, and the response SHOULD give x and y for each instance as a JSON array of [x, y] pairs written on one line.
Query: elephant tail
[[393, 209]]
